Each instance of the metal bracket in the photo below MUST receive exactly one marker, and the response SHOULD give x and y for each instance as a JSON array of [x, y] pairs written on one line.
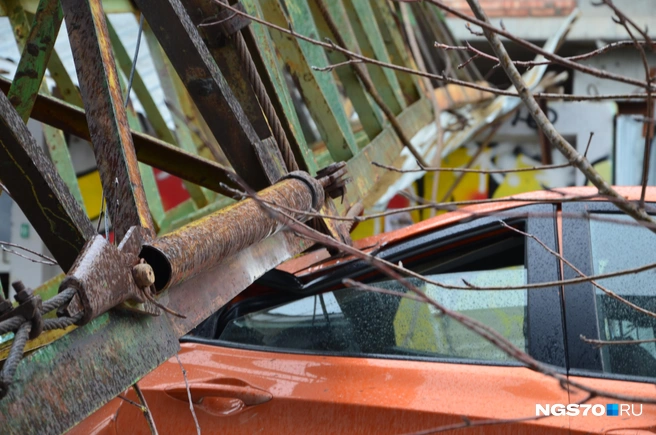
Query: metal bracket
[[102, 277], [228, 22], [333, 178]]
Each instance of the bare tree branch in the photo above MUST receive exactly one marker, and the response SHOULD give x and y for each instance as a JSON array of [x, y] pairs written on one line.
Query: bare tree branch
[[473, 171], [547, 127], [602, 343], [481, 21], [191, 403], [145, 409], [45, 259], [626, 22], [531, 63]]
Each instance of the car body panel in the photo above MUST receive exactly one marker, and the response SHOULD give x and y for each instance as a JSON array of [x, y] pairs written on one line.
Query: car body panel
[[325, 394], [615, 425]]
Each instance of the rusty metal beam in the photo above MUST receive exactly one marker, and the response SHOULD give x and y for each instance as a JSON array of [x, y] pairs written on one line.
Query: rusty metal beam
[[108, 124], [39, 191], [229, 50], [150, 150], [208, 88], [195, 248]]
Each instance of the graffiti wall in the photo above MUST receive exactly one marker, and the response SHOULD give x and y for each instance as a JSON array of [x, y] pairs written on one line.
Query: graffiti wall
[[515, 145]]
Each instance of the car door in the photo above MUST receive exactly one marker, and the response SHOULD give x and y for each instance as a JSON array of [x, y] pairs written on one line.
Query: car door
[[598, 239], [341, 360]]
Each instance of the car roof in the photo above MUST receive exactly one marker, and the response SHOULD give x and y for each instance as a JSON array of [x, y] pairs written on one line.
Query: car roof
[[317, 260]]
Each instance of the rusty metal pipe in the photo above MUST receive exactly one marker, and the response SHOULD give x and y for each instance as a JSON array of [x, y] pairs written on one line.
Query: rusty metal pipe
[[203, 244]]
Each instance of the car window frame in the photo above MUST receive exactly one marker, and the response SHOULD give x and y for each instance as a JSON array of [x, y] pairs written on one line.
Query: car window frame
[[544, 305], [580, 302]]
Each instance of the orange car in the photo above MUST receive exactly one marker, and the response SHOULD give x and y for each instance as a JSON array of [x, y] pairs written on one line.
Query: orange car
[[299, 353]]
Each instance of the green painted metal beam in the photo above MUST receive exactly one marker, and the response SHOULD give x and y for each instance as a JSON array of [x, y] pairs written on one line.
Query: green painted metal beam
[[185, 140], [384, 149], [36, 48], [83, 370], [69, 92], [399, 54], [371, 44], [37, 45], [183, 209], [370, 116], [319, 90], [271, 72]]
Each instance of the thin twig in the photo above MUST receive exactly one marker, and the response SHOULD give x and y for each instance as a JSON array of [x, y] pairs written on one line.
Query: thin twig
[[624, 21], [133, 403], [474, 171], [609, 292], [602, 343], [481, 21], [45, 259], [336, 65], [145, 409], [147, 293], [532, 63], [617, 11], [486, 142], [191, 403]]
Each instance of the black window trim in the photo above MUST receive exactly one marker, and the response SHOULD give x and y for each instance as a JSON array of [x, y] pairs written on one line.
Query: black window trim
[[545, 334]]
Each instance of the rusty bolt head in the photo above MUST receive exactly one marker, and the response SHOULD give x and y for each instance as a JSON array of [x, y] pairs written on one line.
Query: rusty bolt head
[[143, 275]]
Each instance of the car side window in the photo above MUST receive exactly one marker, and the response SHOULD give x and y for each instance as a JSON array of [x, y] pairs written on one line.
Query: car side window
[[355, 322], [615, 247]]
